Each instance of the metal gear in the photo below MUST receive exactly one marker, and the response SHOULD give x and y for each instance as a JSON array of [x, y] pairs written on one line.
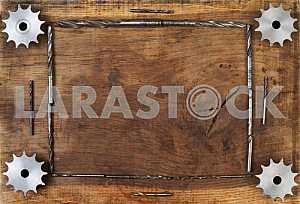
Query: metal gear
[[276, 25], [23, 26], [25, 173], [277, 179]]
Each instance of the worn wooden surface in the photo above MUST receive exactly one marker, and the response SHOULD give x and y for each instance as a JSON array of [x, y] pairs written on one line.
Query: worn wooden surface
[[132, 58], [280, 138]]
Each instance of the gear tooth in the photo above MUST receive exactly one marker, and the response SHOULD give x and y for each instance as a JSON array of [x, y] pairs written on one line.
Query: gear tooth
[[281, 43], [41, 22], [270, 5], [29, 7], [25, 193], [38, 13], [26, 44], [41, 164], [14, 156], [17, 44], [34, 190], [11, 13], [257, 29], [271, 196], [271, 160], [40, 33], [281, 161], [290, 166], [34, 155], [8, 40], [20, 7]]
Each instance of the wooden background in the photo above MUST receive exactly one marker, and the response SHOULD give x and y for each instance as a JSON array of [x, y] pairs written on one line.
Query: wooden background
[[280, 138], [132, 58]]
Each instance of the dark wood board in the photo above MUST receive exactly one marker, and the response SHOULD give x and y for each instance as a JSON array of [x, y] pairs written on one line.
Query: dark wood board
[[279, 139], [158, 146]]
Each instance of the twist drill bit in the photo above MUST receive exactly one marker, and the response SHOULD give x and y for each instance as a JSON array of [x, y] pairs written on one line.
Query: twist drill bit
[[31, 108], [50, 64], [145, 23], [50, 98], [266, 90], [148, 177], [249, 84], [156, 194], [144, 10]]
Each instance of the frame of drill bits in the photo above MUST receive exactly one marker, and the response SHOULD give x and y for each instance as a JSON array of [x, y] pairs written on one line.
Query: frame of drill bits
[[140, 24]]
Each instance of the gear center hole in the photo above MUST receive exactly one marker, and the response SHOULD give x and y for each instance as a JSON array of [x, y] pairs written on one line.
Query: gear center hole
[[23, 26], [277, 180], [24, 173], [276, 25]]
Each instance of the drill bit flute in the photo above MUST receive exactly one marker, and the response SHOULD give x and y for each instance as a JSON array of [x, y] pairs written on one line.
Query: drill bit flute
[[50, 97], [31, 108], [266, 87]]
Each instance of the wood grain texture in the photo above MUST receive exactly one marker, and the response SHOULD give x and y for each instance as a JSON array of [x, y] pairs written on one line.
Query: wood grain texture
[[132, 58], [280, 138]]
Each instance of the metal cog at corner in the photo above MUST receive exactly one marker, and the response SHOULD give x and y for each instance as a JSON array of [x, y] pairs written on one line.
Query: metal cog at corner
[[23, 26], [276, 25], [277, 179], [25, 173]]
